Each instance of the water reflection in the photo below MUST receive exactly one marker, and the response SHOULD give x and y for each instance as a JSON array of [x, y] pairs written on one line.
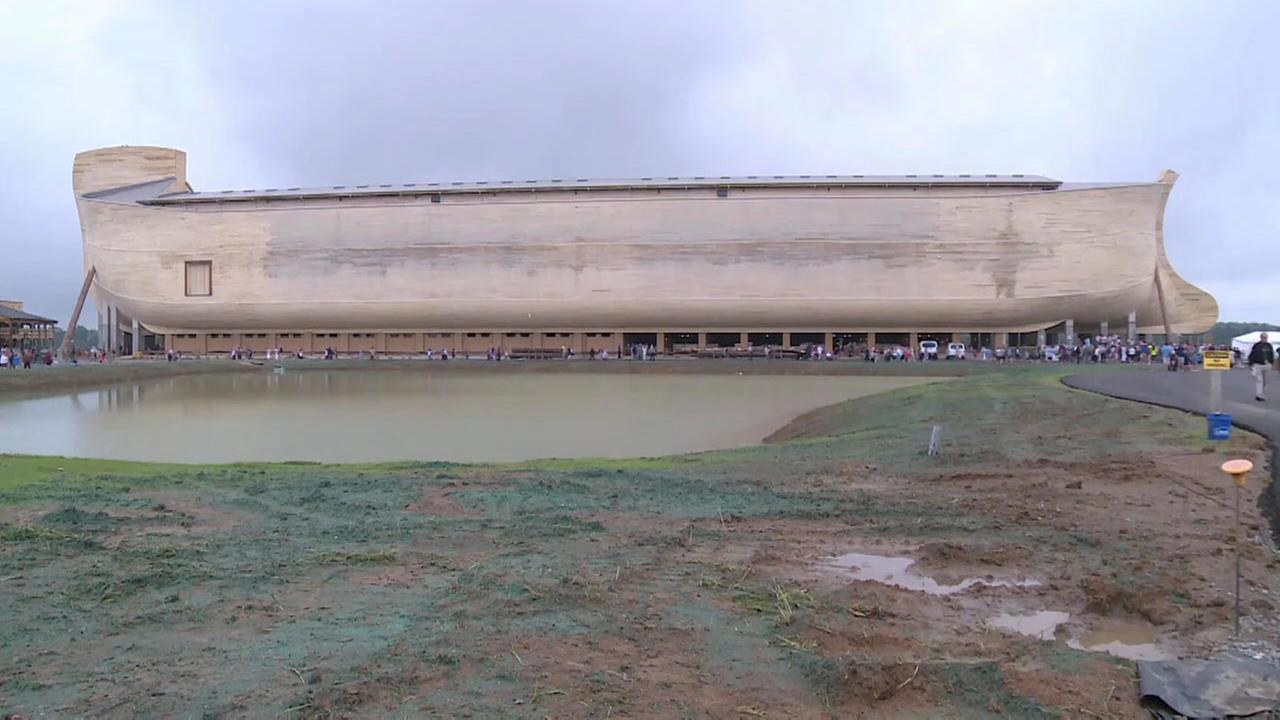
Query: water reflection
[[897, 572], [371, 416]]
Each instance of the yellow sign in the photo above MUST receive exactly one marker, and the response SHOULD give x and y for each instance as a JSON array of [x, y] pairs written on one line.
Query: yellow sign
[[1217, 359]]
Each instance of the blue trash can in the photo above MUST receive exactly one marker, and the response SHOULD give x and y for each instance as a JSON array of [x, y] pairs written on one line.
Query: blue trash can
[[1219, 426]]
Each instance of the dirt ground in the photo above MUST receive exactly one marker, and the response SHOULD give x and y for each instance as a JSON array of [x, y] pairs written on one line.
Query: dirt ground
[[691, 586]]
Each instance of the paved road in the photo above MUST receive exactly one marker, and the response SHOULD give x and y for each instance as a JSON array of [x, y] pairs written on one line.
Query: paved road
[[1190, 391]]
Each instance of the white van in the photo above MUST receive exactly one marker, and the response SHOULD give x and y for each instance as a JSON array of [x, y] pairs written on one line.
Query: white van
[[928, 350], [955, 351]]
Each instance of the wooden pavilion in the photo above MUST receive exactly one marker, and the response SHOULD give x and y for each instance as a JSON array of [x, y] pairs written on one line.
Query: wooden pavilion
[[24, 330]]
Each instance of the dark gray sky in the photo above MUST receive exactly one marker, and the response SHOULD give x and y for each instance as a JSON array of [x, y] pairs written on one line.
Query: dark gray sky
[[310, 93]]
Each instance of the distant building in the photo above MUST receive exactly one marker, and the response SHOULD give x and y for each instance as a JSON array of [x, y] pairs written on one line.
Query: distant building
[[21, 329], [767, 260]]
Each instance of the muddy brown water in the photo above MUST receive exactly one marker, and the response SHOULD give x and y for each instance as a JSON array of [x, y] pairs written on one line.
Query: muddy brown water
[[374, 416], [898, 572]]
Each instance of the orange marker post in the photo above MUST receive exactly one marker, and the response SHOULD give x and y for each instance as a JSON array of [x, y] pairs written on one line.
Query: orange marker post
[[1238, 470]]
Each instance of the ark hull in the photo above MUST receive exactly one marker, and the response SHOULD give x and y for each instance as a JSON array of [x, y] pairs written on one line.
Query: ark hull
[[757, 257]]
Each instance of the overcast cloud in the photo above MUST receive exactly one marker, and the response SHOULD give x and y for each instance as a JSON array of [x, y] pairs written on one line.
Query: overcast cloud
[[309, 93]]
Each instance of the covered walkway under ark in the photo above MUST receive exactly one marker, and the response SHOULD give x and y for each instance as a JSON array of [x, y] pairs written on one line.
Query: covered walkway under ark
[[539, 343], [24, 330]]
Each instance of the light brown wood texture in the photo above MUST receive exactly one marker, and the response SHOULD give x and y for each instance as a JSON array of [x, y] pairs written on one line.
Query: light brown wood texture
[[969, 259]]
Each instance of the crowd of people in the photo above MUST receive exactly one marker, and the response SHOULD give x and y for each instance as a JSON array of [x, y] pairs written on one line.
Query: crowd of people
[[1097, 349], [14, 358], [1103, 349], [1114, 349]]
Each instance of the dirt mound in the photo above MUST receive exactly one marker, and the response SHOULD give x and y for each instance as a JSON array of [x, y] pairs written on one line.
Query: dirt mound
[[941, 554], [859, 679], [1110, 597]]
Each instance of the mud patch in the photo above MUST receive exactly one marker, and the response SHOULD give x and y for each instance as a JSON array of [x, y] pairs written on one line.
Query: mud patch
[[439, 500], [1132, 598]]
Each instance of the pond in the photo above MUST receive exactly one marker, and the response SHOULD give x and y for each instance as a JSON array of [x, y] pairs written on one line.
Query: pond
[[371, 416]]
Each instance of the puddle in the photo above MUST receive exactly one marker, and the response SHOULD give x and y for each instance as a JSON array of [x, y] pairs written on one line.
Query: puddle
[[1125, 640], [1131, 641], [896, 571], [1041, 625]]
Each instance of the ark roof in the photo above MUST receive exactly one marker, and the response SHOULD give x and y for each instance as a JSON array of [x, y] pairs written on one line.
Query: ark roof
[[1029, 182]]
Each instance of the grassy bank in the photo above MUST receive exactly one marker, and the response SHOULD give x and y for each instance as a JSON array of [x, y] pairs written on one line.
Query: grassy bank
[[58, 378], [64, 378], [664, 587]]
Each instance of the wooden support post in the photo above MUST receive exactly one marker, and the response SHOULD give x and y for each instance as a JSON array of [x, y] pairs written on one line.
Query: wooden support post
[[80, 305], [113, 330]]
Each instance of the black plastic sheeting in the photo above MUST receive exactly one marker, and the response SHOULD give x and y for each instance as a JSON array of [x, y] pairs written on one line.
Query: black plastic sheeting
[[1209, 688]]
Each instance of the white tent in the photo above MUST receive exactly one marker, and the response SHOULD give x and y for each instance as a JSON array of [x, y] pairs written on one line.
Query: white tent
[[1244, 343]]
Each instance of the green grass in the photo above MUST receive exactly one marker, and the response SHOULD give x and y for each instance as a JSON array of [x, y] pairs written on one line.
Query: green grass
[[292, 565], [373, 557]]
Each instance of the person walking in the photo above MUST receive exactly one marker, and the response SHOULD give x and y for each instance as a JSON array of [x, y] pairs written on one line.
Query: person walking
[[1261, 356]]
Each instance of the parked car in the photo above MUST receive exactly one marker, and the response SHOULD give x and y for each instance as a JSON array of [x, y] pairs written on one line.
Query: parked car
[[928, 350], [955, 351]]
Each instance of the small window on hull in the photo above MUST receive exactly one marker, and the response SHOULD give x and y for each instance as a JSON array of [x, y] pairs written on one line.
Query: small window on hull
[[199, 278]]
